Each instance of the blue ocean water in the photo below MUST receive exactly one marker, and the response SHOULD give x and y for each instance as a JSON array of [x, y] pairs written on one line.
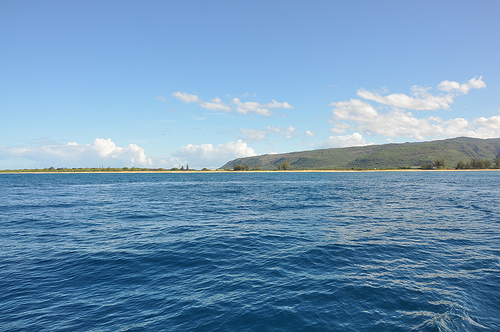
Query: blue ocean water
[[374, 251]]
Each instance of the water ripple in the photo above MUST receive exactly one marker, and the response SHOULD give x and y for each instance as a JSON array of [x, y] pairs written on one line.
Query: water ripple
[[250, 252]]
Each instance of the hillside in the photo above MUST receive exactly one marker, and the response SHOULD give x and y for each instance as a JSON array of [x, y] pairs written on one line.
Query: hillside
[[386, 156]]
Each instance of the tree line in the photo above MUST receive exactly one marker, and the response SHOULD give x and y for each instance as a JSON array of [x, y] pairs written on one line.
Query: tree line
[[280, 166], [474, 163], [245, 167], [100, 169], [479, 164]]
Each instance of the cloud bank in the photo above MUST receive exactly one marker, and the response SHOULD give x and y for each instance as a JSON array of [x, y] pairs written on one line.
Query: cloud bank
[[207, 155], [102, 153], [399, 121]]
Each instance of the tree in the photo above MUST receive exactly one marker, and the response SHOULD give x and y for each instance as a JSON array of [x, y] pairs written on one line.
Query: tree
[[477, 163], [497, 163], [182, 167], [238, 167], [480, 164], [187, 167], [285, 165], [460, 165], [247, 167], [427, 166], [278, 165], [440, 163]]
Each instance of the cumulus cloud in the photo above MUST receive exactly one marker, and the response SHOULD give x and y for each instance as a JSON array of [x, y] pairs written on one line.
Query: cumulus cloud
[[309, 133], [287, 132], [215, 104], [488, 127], [276, 104], [340, 128], [395, 123], [103, 152], [400, 100], [235, 105], [490, 123], [355, 139], [354, 109], [421, 99], [207, 155], [186, 97], [451, 86], [251, 107], [400, 122]]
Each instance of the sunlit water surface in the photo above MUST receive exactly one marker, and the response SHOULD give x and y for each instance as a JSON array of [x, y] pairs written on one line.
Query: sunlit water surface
[[374, 251]]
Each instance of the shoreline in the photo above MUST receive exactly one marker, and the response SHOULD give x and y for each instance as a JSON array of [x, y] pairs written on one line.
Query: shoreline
[[256, 172]]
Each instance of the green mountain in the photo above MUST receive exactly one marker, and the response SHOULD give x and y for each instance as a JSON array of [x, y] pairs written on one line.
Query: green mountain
[[386, 156]]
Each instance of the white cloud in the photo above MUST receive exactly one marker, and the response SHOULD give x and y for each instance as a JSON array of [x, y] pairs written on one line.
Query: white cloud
[[422, 99], [399, 122], [451, 86], [452, 128], [340, 128], [103, 152], [393, 124], [236, 104], [488, 127], [206, 155], [354, 109], [422, 102], [287, 132], [309, 133], [490, 123], [187, 98], [162, 99], [274, 129], [215, 105], [355, 139], [251, 107], [276, 104], [254, 135]]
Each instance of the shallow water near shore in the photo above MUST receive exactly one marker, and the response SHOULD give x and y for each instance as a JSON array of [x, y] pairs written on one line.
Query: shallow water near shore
[[386, 251]]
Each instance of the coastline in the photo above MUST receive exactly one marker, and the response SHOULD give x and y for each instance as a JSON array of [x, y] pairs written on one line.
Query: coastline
[[256, 172]]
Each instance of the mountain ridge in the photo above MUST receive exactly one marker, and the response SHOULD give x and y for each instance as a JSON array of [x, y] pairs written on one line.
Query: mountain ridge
[[383, 156]]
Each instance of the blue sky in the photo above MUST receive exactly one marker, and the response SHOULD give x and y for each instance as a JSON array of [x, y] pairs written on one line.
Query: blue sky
[[170, 83]]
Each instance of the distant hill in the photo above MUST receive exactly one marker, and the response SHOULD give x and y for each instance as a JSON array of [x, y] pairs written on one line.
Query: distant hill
[[386, 156]]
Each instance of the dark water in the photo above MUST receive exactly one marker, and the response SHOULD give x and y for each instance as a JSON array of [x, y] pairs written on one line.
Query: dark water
[[395, 251]]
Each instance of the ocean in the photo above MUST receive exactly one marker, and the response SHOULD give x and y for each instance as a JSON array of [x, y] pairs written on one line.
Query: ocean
[[282, 251]]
